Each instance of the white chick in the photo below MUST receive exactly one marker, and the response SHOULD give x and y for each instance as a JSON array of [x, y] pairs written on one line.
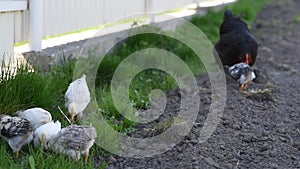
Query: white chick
[[44, 133], [243, 73], [16, 131], [74, 140], [77, 97], [37, 116]]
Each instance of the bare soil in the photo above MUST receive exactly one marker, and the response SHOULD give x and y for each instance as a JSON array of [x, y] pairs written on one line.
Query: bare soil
[[259, 130]]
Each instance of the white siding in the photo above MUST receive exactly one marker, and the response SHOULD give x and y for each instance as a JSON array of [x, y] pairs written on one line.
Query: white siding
[[63, 16], [6, 34], [167, 5]]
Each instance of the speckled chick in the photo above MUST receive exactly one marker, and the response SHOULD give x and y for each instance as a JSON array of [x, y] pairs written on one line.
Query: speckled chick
[[243, 73], [74, 140], [16, 131]]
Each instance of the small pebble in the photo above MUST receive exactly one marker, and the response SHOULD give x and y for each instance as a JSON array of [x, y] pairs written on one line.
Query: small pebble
[[236, 127]]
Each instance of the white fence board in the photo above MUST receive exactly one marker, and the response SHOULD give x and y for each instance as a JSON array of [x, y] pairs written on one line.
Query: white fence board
[[167, 5], [6, 35], [63, 16], [9, 5], [21, 29], [114, 10]]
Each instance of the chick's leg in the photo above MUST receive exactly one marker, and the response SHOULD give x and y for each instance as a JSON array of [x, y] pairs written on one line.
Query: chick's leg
[[17, 154], [72, 117], [86, 156], [243, 87], [42, 141]]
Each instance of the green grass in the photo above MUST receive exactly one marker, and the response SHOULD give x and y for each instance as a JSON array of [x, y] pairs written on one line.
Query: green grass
[[46, 89], [36, 88], [31, 157], [297, 18]]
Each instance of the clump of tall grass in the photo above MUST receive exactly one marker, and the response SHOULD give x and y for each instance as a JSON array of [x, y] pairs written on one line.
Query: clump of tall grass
[[24, 87]]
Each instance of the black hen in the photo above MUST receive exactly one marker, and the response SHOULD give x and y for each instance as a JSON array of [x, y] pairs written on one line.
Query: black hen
[[237, 44]]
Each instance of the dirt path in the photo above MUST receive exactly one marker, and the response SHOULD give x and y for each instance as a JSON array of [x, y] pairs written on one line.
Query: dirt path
[[255, 132]]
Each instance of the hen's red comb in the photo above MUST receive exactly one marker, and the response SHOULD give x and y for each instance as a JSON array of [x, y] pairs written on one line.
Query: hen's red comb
[[247, 58]]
